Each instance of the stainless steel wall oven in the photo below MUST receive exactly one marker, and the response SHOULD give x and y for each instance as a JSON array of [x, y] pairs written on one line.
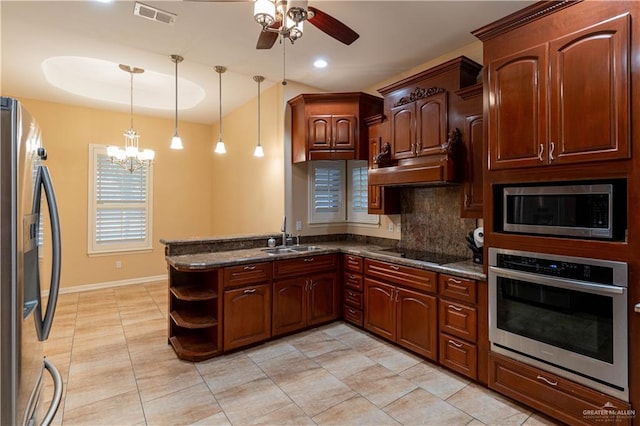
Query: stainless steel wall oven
[[565, 314]]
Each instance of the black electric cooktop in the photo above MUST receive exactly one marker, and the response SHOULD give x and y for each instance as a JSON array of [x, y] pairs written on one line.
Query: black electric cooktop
[[423, 256]]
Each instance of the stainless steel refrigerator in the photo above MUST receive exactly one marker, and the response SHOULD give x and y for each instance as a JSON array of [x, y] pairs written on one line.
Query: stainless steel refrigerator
[[27, 300]]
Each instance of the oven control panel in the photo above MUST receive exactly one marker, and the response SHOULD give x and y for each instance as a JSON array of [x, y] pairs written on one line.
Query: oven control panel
[[557, 268]]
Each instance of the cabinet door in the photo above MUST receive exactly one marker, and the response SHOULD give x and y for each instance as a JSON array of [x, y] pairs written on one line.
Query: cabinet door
[[517, 110], [590, 94], [344, 131], [319, 132], [247, 315], [472, 188], [417, 322], [380, 308], [323, 298], [403, 134], [289, 305], [431, 124]]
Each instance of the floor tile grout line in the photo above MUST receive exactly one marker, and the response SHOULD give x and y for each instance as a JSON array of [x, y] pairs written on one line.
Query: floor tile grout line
[[133, 370]]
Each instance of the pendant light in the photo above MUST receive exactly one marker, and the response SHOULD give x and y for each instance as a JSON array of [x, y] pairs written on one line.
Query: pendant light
[[220, 148], [176, 142], [130, 157], [258, 151]]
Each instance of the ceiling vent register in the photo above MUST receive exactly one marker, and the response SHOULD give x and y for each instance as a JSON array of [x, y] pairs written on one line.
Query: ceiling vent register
[[154, 14]]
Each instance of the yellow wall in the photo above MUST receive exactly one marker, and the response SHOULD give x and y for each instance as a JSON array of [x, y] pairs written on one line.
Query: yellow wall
[[181, 186], [247, 193]]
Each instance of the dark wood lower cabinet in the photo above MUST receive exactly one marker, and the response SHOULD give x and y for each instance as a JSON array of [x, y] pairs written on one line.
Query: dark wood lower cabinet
[[289, 307], [304, 301], [404, 316], [247, 315], [555, 396], [417, 322]]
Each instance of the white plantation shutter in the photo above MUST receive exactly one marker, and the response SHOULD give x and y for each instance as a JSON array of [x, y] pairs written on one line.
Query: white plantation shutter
[[359, 193], [327, 182], [120, 213]]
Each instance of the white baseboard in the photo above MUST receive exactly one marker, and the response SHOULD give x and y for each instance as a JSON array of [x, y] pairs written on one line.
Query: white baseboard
[[111, 284]]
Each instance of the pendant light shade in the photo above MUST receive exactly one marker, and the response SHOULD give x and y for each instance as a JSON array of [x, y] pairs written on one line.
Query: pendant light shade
[[220, 148], [258, 152], [176, 142]]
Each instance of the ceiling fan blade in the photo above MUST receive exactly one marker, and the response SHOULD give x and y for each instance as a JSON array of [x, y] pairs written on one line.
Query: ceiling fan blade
[[267, 39], [332, 26]]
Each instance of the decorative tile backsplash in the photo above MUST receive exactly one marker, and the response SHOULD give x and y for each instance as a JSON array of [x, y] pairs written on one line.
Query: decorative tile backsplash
[[431, 221]]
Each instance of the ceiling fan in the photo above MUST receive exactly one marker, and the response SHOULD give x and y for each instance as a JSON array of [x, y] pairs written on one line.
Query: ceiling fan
[[284, 18]]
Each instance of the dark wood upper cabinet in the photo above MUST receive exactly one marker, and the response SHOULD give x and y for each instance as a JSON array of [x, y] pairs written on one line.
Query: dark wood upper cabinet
[[473, 150], [563, 101], [330, 126], [419, 127]]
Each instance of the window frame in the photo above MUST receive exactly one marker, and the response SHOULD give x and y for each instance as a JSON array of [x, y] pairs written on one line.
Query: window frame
[[354, 216], [93, 246], [326, 217]]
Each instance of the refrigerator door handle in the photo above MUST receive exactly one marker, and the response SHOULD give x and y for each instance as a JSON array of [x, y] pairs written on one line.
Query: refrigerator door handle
[[57, 392], [43, 180]]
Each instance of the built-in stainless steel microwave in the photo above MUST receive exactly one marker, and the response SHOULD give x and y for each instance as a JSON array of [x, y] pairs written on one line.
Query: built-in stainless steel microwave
[[595, 210]]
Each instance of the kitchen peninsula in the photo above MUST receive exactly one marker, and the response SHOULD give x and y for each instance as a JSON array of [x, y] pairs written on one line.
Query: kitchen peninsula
[[228, 293]]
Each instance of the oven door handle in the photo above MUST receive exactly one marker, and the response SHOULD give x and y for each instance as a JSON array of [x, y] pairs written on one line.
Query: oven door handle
[[556, 282]]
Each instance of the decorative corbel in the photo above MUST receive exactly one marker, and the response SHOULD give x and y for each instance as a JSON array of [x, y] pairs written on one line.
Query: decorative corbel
[[453, 138]]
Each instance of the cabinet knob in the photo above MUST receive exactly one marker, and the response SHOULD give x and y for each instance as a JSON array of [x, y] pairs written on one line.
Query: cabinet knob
[[540, 152], [552, 148], [394, 267], [249, 268], [466, 200], [250, 290], [454, 343], [637, 307], [453, 280], [308, 259]]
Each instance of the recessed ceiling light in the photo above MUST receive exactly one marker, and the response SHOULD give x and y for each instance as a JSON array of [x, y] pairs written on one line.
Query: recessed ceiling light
[[320, 63]]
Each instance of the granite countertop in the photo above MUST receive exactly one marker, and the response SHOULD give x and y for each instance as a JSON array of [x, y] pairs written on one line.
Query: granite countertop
[[197, 261]]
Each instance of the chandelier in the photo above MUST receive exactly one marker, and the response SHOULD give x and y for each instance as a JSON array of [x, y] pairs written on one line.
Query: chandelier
[[130, 157], [282, 17]]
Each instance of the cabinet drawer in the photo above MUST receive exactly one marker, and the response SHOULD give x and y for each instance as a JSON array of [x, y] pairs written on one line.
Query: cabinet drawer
[[459, 319], [553, 395], [418, 279], [353, 315], [353, 263], [353, 298], [458, 288], [459, 355], [247, 274], [353, 281], [305, 265]]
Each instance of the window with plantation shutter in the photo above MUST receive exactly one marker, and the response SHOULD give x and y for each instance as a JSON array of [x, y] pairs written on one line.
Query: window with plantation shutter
[[120, 205], [359, 193], [327, 191]]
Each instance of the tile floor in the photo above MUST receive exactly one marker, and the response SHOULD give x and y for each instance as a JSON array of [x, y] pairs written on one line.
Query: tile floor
[[111, 349]]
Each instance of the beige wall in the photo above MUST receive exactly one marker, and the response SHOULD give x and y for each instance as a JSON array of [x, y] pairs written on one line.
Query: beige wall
[[247, 193], [181, 186]]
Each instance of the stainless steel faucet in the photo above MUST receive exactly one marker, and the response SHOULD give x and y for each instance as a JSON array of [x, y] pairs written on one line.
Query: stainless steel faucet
[[284, 231]]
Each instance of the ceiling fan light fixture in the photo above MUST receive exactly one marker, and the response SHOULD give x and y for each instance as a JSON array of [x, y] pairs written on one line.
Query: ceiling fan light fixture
[[264, 12]]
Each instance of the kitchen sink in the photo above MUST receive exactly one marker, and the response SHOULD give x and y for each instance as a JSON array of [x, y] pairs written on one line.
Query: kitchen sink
[[304, 248], [278, 250], [291, 249]]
